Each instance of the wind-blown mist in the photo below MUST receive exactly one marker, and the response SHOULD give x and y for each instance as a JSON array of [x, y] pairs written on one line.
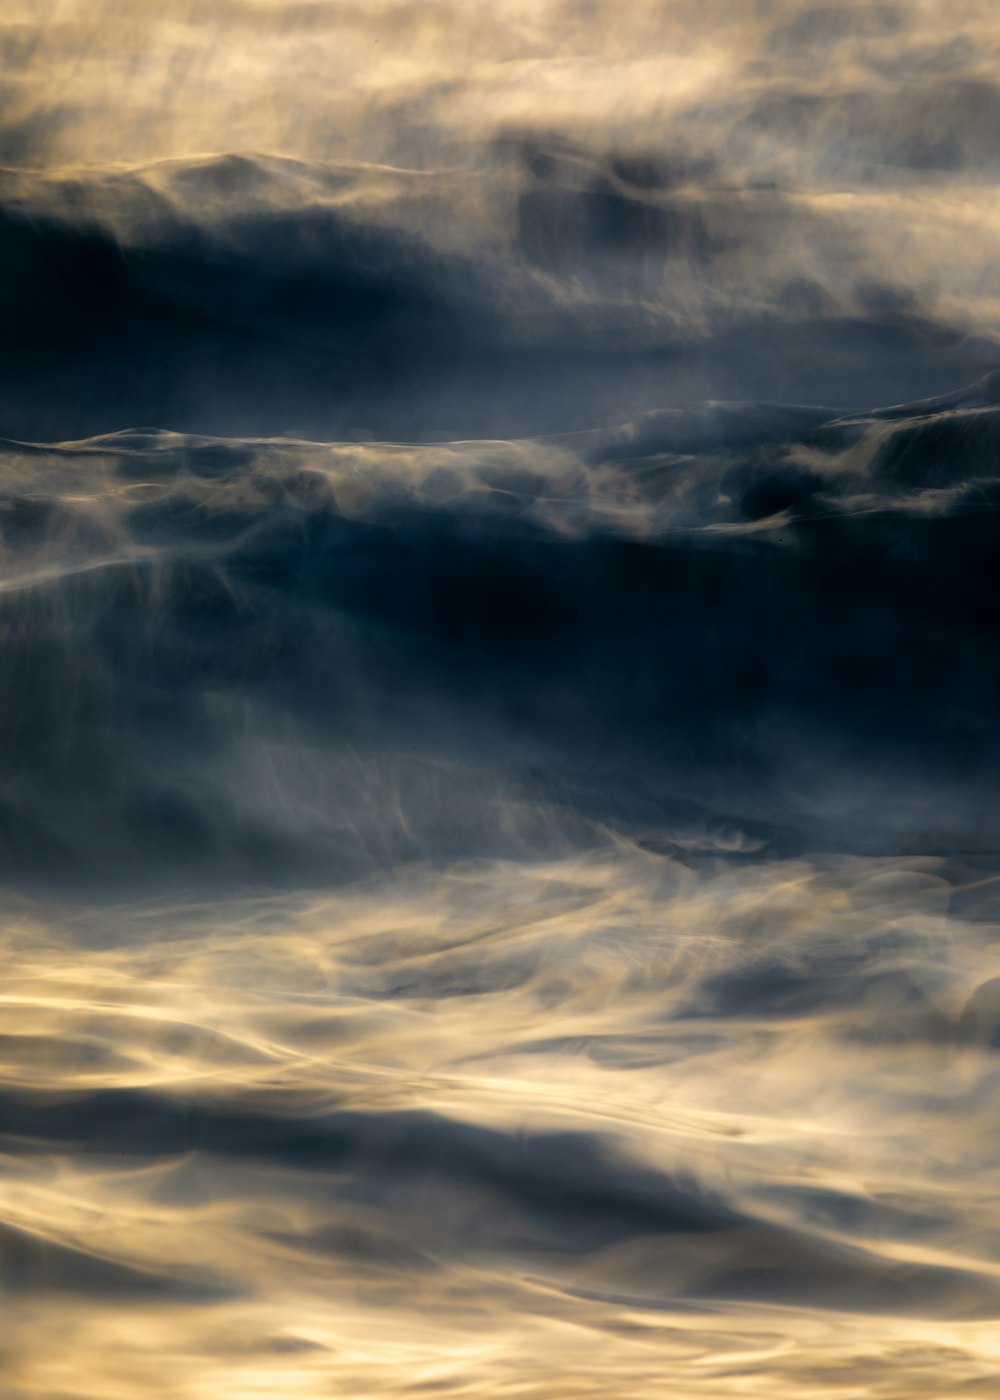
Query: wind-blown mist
[[499, 750]]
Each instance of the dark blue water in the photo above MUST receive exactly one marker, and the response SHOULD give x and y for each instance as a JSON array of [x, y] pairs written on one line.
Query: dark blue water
[[498, 782]]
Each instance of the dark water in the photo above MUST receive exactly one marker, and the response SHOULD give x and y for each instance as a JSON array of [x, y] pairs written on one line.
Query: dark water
[[499, 778]]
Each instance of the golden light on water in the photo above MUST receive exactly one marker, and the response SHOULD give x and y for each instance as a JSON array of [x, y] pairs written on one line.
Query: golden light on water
[[498, 675], [414, 1044]]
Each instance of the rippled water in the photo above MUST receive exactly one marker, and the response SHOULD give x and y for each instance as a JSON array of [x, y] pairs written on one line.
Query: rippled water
[[602, 1122], [584, 975], [498, 701]]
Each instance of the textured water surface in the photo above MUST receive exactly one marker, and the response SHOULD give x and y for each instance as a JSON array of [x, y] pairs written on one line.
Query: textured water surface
[[498, 701]]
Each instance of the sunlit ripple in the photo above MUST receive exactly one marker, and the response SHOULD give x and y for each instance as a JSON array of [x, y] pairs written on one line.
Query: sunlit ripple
[[601, 1124], [500, 776]]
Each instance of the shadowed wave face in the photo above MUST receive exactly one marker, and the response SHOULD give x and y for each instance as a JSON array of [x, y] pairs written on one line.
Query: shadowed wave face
[[499, 757]]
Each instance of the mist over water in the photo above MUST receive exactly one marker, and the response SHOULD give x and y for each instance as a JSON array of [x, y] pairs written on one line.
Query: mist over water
[[498, 700]]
